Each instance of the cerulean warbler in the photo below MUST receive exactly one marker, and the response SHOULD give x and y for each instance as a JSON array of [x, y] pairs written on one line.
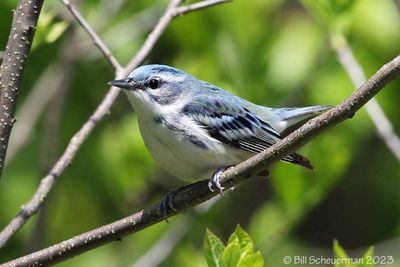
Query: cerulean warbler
[[193, 128]]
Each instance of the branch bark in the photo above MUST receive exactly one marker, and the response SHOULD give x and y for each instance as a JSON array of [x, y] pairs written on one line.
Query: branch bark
[[170, 239], [48, 182], [382, 124], [196, 193], [12, 68]]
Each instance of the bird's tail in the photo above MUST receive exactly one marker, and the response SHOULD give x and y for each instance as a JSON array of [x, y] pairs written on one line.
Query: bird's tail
[[299, 160], [295, 117]]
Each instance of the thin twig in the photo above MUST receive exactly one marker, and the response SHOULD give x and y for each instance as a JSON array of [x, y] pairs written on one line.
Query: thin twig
[[170, 239], [199, 192], [47, 182], [96, 39], [381, 122], [173, 11], [166, 244], [52, 132], [13, 66], [32, 107], [51, 143], [152, 38], [54, 78], [200, 5]]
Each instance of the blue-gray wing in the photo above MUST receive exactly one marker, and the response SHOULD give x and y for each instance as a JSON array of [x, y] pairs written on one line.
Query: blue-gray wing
[[228, 121]]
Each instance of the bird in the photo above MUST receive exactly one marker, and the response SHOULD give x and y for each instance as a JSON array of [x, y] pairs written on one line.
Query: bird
[[195, 130]]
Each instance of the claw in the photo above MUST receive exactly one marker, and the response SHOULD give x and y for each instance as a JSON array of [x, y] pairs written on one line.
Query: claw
[[215, 180], [167, 203]]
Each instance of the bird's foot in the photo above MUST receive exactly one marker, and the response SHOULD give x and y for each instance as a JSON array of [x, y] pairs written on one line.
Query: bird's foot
[[167, 204], [215, 181]]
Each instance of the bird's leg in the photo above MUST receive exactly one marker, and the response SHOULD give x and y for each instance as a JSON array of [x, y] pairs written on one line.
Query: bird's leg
[[214, 181], [167, 203]]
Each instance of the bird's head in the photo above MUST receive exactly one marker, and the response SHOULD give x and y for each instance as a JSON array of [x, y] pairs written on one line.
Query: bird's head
[[154, 87]]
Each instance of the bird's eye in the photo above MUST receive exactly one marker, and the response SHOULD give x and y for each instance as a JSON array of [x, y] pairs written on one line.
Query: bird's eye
[[154, 83]]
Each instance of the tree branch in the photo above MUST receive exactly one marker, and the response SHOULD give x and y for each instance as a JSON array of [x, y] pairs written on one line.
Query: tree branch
[[172, 12], [197, 6], [13, 66], [196, 193], [170, 239], [47, 182], [152, 38], [381, 122], [96, 39]]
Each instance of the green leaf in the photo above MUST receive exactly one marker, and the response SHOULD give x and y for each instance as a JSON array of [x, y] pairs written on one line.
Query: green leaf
[[232, 253], [48, 31], [213, 248], [340, 253], [366, 258], [245, 242], [253, 260], [56, 31], [239, 251], [338, 250]]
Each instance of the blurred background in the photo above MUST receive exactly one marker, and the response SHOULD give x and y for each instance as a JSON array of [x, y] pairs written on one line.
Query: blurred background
[[275, 53]]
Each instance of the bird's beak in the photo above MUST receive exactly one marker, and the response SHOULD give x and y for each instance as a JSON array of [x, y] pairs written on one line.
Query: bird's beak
[[121, 84]]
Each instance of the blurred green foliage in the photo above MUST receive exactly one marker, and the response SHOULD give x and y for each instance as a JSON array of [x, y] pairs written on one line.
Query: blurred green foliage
[[238, 252], [274, 53], [345, 261]]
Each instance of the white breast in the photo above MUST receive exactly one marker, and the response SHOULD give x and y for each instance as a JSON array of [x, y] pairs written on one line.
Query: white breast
[[182, 158]]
